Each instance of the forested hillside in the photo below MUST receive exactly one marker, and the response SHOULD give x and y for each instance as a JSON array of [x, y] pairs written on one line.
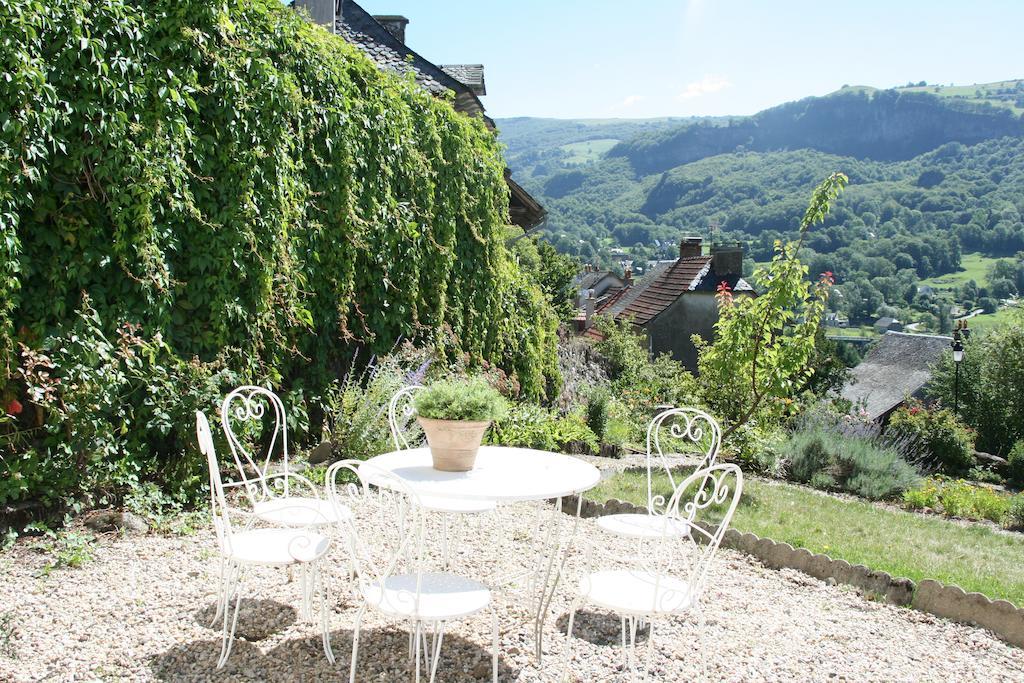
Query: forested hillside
[[933, 175]]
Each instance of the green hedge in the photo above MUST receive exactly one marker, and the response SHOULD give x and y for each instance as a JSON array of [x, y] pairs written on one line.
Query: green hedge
[[249, 189]]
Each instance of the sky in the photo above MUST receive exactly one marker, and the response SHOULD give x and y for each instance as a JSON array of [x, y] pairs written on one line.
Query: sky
[[653, 58]]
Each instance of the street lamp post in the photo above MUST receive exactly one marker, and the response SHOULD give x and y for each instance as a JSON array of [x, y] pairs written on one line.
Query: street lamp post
[[959, 334]]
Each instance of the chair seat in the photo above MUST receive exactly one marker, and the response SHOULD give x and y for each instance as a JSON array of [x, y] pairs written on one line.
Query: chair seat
[[629, 591], [277, 547], [296, 511], [443, 596], [456, 505], [643, 526]]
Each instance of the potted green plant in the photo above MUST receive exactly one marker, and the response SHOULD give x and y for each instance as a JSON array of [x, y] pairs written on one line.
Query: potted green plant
[[454, 415]]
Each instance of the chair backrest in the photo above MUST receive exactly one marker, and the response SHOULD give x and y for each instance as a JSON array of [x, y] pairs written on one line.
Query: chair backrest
[[381, 523], [218, 502], [681, 424], [714, 489], [241, 409], [400, 414]]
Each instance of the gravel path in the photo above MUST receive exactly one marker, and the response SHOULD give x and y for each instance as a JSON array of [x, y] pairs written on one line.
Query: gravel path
[[140, 611]]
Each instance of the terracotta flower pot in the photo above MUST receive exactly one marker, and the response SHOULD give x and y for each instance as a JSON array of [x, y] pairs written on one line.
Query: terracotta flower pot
[[453, 443]]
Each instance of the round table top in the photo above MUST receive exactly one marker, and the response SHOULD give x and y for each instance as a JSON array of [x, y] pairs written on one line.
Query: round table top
[[501, 473]]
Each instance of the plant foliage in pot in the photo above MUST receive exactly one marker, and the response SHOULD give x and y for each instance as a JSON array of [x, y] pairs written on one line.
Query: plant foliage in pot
[[454, 415]]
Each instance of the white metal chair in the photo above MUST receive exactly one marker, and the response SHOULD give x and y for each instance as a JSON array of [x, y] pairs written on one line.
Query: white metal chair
[[667, 578], [274, 547], [686, 424], [271, 494], [400, 414], [385, 539]]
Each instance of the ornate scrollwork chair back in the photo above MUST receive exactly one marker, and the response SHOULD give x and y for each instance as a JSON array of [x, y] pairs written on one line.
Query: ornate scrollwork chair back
[[687, 425], [401, 414], [241, 410], [384, 534], [709, 495]]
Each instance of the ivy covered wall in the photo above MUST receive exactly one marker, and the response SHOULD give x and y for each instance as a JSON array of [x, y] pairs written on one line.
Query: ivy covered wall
[[249, 188]]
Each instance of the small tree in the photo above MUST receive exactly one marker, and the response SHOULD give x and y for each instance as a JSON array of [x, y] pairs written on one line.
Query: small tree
[[760, 357]]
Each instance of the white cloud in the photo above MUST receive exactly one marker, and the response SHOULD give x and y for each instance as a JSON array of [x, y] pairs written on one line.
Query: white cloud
[[631, 100], [709, 84]]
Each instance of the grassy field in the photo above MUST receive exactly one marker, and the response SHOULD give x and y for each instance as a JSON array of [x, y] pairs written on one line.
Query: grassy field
[[974, 557], [866, 331], [979, 92], [588, 150], [988, 321], [973, 266]]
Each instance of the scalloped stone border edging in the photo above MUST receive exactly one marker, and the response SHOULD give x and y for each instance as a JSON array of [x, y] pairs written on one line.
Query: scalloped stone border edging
[[947, 601]]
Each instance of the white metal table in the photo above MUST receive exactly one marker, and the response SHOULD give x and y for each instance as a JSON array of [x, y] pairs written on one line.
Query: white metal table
[[505, 475]]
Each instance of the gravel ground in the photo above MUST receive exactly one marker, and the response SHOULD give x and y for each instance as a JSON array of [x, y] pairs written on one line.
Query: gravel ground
[[140, 609]]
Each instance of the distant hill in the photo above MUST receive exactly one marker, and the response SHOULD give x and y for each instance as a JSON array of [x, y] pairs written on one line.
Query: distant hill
[[859, 122], [935, 171]]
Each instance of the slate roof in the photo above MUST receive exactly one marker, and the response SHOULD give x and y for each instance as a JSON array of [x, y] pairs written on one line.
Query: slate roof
[[470, 75], [897, 367], [357, 26]]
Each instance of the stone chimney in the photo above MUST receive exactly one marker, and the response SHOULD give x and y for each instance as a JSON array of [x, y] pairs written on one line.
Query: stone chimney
[[320, 11], [589, 308], [627, 276], [689, 247], [394, 23], [727, 259]]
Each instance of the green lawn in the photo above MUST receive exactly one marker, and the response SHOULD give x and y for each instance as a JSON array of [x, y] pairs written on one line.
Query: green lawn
[[588, 150], [987, 321], [862, 331], [973, 266], [974, 557]]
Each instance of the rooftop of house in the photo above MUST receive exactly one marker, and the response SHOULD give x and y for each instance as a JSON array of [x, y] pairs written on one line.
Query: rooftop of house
[[896, 368], [389, 51], [470, 75], [665, 283]]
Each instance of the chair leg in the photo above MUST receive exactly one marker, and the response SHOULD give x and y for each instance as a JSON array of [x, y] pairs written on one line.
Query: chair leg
[[325, 625], [355, 645], [650, 648], [436, 656], [568, 639], [228, 636], [632, 647], [221, 595], [416, 650], [494, 645]]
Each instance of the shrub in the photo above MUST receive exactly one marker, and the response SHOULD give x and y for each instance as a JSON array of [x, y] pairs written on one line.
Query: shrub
[[106, 416], [637, 381], [949, 444], [827, 460], [530, 426], [598, 413], [1015, 513], [993, 361], [470, 399], [357, 422], [1016, 463], [959, 498]]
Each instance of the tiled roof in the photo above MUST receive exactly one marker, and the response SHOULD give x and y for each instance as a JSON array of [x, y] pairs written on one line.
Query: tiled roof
[[659, 292], [470, 75], [358, 27]]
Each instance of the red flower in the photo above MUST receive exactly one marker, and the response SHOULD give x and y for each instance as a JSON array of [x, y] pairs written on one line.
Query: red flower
[[14, 407], [828, 278]]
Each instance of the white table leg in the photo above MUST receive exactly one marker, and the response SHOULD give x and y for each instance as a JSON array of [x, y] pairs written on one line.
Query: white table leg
[[557, 554]]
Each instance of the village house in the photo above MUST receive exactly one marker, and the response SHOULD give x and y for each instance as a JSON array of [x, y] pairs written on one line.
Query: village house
[[674, 300], [895, 369], [382, 39]]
